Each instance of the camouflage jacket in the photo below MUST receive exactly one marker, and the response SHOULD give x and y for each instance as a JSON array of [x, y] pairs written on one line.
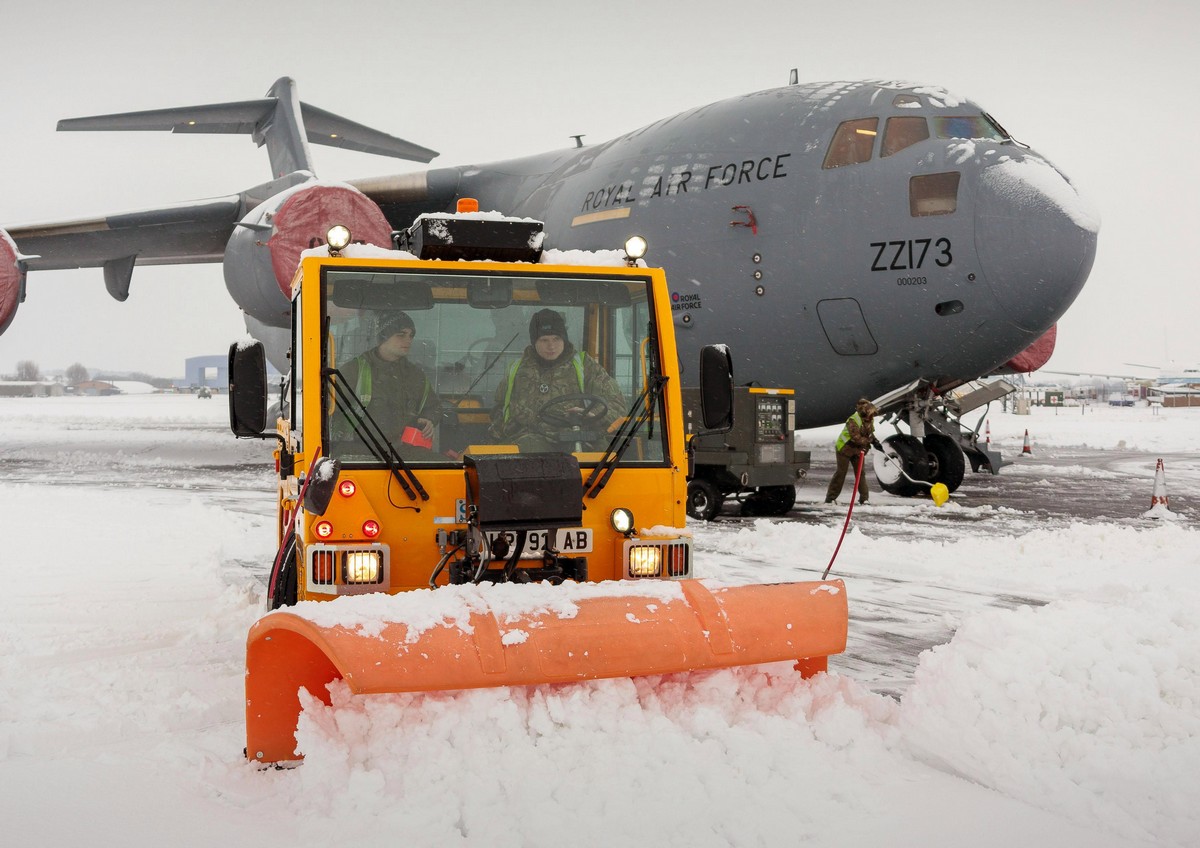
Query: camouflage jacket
[[530, 385], [395, 393]]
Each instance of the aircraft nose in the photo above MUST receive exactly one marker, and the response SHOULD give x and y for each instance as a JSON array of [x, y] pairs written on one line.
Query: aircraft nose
[[1035, 238]]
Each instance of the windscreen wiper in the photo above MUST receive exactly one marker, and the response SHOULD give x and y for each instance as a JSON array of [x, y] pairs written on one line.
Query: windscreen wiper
[[641, 412], [372, 435]]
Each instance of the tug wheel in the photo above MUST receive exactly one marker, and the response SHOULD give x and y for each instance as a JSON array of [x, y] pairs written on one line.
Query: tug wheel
[[770, 500], [703, 500]]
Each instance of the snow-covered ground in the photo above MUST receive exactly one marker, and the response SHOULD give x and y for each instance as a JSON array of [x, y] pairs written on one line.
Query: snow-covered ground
[[1056, 703]]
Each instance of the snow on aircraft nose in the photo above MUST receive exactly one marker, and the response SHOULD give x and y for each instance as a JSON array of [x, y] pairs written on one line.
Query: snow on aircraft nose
[[1035, 237]]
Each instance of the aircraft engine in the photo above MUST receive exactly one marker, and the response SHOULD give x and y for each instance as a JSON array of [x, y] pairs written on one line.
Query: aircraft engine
[[10, 280], [262, 253]]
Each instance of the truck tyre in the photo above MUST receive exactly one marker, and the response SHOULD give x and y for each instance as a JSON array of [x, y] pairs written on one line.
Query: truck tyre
[[947, 462], [704, 500], [284, 594]]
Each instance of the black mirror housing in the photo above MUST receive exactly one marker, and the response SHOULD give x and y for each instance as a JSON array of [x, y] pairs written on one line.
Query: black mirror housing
[[247, 389], [319, 488], [716, 388]]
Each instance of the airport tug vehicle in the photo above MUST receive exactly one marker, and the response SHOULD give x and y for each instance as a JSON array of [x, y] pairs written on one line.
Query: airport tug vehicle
[[408, 563], [755, 461]]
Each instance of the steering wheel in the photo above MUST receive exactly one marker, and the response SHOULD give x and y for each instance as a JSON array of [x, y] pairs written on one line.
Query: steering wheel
[[558, 418]]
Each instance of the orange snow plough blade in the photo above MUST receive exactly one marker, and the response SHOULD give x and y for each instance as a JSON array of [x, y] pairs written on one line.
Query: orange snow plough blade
[[609, 636]]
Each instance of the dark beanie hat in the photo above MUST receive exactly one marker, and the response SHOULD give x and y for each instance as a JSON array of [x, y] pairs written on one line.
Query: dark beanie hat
[[393, 323], [547, 322]]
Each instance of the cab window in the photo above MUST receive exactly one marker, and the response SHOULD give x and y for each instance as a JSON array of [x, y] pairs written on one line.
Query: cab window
[[900, 133], [852, 143]]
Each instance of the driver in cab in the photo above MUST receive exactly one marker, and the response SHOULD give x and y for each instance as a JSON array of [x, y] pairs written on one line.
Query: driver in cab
[[551, 389]]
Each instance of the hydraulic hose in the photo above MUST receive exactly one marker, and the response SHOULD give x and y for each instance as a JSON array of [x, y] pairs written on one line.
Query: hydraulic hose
[[849, 512]]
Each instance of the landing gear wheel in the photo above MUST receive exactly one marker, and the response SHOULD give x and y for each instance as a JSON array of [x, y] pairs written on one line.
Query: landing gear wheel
[[946, 460], [704, 500], [555, 420], [910, 458], [282, 588], [770, 500]]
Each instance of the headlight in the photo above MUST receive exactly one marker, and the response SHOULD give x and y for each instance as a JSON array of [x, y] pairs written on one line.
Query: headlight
[[645, 561], [337, 237], [635, 249], [666, 558], [622, 521], [362, 567]]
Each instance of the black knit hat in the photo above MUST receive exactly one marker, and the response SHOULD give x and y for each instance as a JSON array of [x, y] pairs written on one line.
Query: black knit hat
[[393, 323], [547, 322]]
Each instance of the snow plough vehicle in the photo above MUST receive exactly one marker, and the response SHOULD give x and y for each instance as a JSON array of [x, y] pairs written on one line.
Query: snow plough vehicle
[[427, 545]]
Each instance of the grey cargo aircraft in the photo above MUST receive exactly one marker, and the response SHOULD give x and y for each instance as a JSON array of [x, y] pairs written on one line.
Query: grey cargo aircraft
[[846, 238]]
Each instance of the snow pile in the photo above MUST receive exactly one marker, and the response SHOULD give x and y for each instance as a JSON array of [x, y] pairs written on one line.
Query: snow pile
[[1087, 724], [1055, 700]]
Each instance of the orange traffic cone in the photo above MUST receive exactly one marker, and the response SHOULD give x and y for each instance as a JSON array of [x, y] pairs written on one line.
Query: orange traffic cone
[[1159, 498], [1026, 450]]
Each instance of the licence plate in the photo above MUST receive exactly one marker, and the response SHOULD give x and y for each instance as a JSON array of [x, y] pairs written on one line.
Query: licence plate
[[568, 541]]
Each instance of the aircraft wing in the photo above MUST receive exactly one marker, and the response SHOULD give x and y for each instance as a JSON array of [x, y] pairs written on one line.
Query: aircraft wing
[[187, 232], [171, 235]]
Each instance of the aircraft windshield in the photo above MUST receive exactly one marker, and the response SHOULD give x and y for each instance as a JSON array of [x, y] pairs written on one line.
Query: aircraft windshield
[[451, 363], [968, 126]]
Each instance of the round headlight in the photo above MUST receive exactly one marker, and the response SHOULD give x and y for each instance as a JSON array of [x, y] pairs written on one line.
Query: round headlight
[[635, 247], [622, 521], [337, 237]]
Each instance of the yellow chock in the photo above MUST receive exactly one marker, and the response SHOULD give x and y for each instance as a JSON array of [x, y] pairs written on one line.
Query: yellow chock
[[939, 493]]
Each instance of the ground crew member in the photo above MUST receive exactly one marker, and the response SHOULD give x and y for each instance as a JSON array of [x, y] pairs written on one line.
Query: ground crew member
[[549, 368], [394, 390], [856, 437]]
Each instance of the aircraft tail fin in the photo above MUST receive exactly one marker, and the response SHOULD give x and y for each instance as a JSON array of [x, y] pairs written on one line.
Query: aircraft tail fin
[[280, 121]]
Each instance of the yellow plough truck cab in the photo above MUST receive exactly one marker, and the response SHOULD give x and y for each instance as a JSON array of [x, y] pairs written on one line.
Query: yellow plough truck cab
[[481, 555]]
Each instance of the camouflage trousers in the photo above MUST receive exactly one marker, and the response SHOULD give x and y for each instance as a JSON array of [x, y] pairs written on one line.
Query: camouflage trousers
[[844, 464]]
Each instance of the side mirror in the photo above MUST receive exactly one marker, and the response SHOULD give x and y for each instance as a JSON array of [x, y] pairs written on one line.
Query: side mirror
[[247, 389], [716, 388], [319, 488]]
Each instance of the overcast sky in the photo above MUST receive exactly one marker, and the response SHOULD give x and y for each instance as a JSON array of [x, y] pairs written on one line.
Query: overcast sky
[[1104, 89]]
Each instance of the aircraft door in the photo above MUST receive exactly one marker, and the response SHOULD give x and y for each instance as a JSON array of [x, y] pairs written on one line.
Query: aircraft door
[[845, 327]]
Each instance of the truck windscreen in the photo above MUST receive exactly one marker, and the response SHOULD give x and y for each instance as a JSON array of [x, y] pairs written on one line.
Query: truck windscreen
[[450, 363]]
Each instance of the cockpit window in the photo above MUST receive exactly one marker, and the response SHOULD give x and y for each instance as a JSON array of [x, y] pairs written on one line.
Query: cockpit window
[[900, 133], [968, 126], [933, 194], [852, 143]]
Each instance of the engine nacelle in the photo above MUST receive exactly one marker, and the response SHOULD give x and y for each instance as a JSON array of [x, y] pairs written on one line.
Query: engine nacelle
[[11, 276], [262, 253]]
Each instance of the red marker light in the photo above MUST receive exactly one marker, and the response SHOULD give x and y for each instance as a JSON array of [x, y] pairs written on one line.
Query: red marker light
[[323, 529], [370, 528], [347, 488]]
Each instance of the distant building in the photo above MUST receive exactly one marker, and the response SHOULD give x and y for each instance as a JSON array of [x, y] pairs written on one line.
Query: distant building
[[95, 387], [211, 372], [28, 388]]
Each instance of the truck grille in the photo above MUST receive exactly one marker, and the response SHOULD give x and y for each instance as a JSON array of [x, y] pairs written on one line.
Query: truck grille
[[658, 559], [347, 569]]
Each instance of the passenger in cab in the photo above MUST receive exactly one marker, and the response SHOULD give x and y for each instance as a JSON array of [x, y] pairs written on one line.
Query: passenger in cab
[[551, 368], [394, 390]]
